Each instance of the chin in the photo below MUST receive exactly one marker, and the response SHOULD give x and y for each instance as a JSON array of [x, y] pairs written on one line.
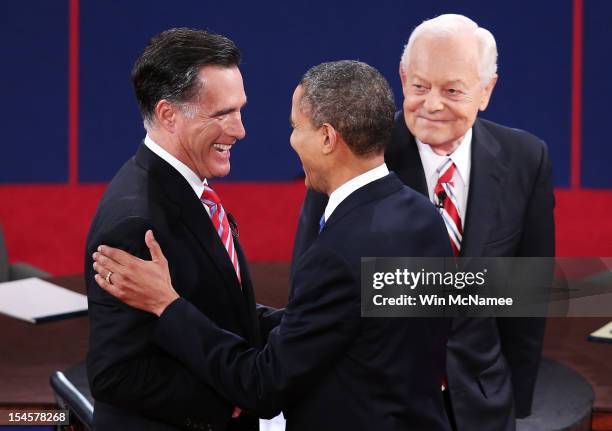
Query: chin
[[222, 171], [433, 139]]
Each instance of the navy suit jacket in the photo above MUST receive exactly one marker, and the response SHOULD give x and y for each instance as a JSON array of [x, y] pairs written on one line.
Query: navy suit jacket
[[136, 385], [325, 366], [492, 363]]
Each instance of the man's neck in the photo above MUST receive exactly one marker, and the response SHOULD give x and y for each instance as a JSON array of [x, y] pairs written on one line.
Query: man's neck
[[164, 141], [446, 149], [169, 144], [350, 169]]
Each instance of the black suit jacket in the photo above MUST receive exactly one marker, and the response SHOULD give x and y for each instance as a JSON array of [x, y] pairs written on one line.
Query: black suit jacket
[[324, 366], [491, 363], [136, 385]]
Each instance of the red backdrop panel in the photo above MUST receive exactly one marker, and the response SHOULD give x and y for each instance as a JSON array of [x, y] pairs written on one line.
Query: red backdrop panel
[[46, 225]]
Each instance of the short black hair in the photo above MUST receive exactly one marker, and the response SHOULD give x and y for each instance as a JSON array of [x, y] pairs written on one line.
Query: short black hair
[[355, 99], [168, 67]]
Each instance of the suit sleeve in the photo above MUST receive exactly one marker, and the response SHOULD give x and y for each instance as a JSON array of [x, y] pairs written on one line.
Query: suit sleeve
[[268, 318], [521, 338], [125, 368], [317, 326]]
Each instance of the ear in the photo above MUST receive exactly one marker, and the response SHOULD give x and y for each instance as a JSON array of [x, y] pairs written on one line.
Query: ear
[[487, 91], [166, 115], [403, 77], [330, 139]]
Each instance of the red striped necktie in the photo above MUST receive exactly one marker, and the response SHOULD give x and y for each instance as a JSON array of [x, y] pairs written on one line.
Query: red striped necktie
[[219, 220], [446, 201]]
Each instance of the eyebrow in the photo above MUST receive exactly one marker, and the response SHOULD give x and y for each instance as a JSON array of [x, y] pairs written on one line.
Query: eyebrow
[[457, 81], [291, 121], [228, 110], [450, 82]]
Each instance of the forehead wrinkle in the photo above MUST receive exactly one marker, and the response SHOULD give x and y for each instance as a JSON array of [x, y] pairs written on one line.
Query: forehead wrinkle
[[452, 71], [444, 81]]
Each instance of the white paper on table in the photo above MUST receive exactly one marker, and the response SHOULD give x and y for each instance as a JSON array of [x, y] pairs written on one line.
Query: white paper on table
[[35, 300], [603, 334]]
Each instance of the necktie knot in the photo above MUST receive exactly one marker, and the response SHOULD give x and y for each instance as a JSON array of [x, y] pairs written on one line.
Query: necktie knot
[[210, 195], [210, 199], [321, 222]]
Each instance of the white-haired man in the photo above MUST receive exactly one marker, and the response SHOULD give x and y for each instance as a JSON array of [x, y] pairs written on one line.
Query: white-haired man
[[492, 185]]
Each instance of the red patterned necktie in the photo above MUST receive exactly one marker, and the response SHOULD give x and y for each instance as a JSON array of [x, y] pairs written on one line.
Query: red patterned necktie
[[446, 201], [221, 224]]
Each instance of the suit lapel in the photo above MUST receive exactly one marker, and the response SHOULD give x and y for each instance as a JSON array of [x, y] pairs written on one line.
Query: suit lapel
[[196, 218], [486, 176], [370, 192], [193, 215]]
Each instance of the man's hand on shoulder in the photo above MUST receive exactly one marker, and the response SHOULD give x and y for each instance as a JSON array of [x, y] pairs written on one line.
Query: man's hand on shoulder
[[139, 283]]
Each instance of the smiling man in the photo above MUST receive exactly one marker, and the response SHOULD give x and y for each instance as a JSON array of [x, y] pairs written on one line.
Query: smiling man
[[190, 94], [492, 186]]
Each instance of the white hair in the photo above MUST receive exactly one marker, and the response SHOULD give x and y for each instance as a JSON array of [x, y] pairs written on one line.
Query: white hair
[[452, 24]]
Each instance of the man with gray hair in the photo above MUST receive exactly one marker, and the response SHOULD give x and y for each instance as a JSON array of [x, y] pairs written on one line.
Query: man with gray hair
[[324, 366], [492, 186]]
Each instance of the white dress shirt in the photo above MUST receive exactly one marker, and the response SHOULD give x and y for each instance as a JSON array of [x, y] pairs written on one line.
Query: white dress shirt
[[461, 179], [351, 185], [191, 177]]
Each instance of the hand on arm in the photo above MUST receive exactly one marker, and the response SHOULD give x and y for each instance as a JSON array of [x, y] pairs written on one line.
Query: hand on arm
[[142, 284]]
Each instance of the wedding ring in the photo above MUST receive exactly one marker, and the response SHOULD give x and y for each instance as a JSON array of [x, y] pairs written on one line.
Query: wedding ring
[[108, 276]]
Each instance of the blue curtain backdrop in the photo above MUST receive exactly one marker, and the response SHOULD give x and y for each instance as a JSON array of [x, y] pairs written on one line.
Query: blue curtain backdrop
[[279, 41]]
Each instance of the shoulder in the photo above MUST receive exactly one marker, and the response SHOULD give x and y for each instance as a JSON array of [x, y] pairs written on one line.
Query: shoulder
[[132, 203], [521, 151], [512, 139], [397, 223]]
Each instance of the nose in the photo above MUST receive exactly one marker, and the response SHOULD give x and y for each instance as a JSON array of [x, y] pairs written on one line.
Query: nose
[[291, 142], [237, 128], [433, 102]]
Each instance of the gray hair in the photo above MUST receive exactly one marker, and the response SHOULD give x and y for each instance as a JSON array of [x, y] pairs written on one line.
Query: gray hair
[[189, 109], [355, 99], [452, 24], [170, 65]]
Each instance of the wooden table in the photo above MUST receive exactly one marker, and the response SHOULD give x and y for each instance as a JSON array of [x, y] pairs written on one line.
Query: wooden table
[[30, 353]]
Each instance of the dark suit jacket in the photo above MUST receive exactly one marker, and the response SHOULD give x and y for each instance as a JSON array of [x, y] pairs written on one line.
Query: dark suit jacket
[[490, 361], [324, 366], [136, 385]]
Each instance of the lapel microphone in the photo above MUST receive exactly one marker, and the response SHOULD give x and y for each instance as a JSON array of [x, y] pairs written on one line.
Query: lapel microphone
[[233, 225], [441, 198]]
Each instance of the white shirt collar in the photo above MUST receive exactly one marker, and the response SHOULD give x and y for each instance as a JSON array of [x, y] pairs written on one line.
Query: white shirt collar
[[461, 157], [191, 177], [351, 185]]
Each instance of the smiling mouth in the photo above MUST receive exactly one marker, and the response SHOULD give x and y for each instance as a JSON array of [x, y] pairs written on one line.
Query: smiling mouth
[[434, 120], [222, 148]]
